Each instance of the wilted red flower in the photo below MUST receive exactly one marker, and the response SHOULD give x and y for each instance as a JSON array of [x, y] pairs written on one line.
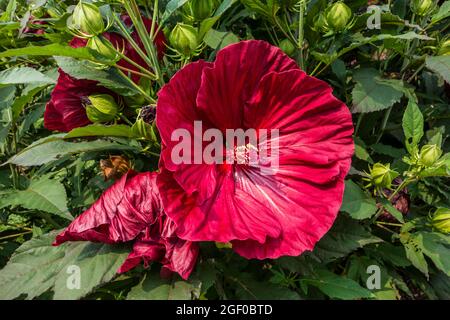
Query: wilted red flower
[[65, 110], [130, 210], [255, 85]]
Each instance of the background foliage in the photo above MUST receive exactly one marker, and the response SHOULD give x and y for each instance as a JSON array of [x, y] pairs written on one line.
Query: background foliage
[[395, 80]]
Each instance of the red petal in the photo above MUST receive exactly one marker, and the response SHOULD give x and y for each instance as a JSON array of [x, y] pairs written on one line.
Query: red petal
[[233, 79], [121, 213]]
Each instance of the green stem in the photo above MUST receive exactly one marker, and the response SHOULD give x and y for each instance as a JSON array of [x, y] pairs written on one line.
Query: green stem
[[137, 87], [301, 33]]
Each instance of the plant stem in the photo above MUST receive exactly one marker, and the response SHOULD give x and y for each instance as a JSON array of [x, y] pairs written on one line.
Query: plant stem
[[301, 33]]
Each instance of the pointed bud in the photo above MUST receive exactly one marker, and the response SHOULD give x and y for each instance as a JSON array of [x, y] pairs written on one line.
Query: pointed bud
[[422, 7], [382, 176], [441, 220], [202, 9], [101, 108], [88, 19], [142, 130], [102, 47], [337, 16], [429, 154], [184, 39]]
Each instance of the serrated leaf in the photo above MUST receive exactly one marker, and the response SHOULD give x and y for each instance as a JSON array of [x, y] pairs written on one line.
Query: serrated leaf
[[440, 65], [109, 78], [413, 248], [336, 286], [248, 288], [345, 236], [153, 287], [357, 203], [24, 99], [412, 125], [51, 149], [50, 50], [436, 246], [372, 93], [37, 267], [444, 12], [43, 194], [21, 75]]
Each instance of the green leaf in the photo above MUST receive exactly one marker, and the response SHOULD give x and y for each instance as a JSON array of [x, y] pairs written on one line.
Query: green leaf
[[171, 7], [109, 78], [345, 236], [392, 210], [95, 130], [412, 125], [336, 286], [7, 95], [153, 287], [373, 93], [37, 267], [54, 147], [388, 150], [436, 246], [413, 248], [357, 203], [249, 288], [440, 65], [218, 39], [444, 12], [21, 75], [24, 99], [50, 50], [43, 194]]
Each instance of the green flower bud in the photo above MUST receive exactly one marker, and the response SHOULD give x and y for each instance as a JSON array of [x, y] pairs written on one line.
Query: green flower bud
[[422, 7], [287, 47], [382, 176], [337, 16], [184, 39], [88, 19], [429, 154], [441, 220], [202, 9], [141, 129], [101, 108], [320, 23], [102, 47], [444, 48]]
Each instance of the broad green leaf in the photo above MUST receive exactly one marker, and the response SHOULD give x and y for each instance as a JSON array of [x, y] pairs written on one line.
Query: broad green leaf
[[357, 203], [37, 267], [337, 287], [218, 39], [444, 12], [389, 253], [208, 23], [153, 287], [436, 246], [50, 50], [7, 94], [412, 125], [171, 7], [21, 75], [109, 78], [53, 148], [345, 236], [413, 248], [373, 93], [43, 194], [440, 65], [94, 130]]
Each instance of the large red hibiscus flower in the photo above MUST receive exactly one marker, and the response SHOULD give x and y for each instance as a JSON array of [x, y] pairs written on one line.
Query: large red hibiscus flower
[[253, 85], [131, 211], [65, 110]]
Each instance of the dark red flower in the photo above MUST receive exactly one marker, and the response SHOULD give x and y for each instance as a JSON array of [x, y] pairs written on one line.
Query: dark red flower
[[255, 85], [65, 110], [131, 210]]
